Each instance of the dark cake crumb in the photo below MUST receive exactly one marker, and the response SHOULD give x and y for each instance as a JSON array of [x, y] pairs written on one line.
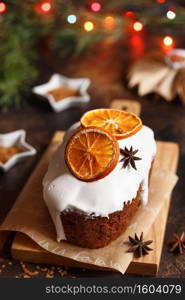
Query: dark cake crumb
[[98, 232]]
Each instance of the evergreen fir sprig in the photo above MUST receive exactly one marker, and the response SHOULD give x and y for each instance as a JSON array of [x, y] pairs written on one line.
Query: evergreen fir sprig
[[18, 35]]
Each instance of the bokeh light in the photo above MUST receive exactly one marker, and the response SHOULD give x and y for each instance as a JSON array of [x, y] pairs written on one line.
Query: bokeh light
[[88, 26], [130, 14], [3, 7], [95, 6], [138, 26], [109, 22], [45, 6], [171, 15], [168, 40], [71, 19]]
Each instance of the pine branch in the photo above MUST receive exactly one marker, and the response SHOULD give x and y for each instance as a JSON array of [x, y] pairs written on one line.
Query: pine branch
[[18, 37]]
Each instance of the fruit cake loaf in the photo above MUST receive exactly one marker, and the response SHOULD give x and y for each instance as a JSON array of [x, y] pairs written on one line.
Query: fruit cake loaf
[[98, 177]]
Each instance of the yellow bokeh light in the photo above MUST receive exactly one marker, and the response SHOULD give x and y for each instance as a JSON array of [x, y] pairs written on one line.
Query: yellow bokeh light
[[138, 26], [168, 40], [88, 26]]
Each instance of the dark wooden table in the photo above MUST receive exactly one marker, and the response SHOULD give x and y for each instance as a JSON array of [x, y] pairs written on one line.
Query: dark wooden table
[[107, 68]]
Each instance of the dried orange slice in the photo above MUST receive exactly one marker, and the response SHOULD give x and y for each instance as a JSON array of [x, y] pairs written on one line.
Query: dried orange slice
[[91, 153], [120, 124]]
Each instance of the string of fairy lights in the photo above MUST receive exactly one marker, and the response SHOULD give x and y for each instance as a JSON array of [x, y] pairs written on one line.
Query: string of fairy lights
[[45, 7]]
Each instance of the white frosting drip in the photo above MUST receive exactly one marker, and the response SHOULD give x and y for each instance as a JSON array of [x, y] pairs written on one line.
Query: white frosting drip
[[102, 197]]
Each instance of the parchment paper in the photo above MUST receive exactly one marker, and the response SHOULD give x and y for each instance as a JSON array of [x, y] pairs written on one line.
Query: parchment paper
[[152, 74], [30, 216]]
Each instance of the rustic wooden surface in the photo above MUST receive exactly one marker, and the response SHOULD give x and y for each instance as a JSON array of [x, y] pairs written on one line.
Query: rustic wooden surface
[[108, 83], [127, 105], [26, 250]]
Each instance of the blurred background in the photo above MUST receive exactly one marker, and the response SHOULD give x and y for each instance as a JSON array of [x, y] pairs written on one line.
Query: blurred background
[[80, 38]]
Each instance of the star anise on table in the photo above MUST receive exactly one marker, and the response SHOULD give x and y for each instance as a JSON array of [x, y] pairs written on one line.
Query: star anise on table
[[129, 157], [139, 246], [177, 244]]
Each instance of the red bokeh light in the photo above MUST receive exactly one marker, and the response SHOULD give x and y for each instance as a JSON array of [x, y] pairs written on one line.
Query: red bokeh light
[[43, 7], [96, 6], [130, 14], [161, 1], [3, 7], [137, 43]]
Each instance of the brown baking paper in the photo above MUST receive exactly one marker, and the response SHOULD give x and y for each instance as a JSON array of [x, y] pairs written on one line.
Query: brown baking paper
[[153, 75], [29, 215]]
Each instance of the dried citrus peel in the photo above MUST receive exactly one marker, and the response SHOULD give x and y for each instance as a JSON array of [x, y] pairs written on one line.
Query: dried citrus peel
[[91, 153], [119, 123]]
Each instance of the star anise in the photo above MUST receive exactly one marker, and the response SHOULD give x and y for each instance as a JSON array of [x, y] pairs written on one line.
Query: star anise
[[129, 157], [177, 244], [139, 246]]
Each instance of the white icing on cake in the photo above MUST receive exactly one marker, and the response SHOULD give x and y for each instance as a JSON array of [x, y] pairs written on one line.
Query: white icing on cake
[[102, 197]]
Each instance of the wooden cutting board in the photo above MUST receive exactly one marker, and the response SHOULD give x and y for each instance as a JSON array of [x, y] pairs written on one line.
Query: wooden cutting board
[[3, 239], [24, 249]]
